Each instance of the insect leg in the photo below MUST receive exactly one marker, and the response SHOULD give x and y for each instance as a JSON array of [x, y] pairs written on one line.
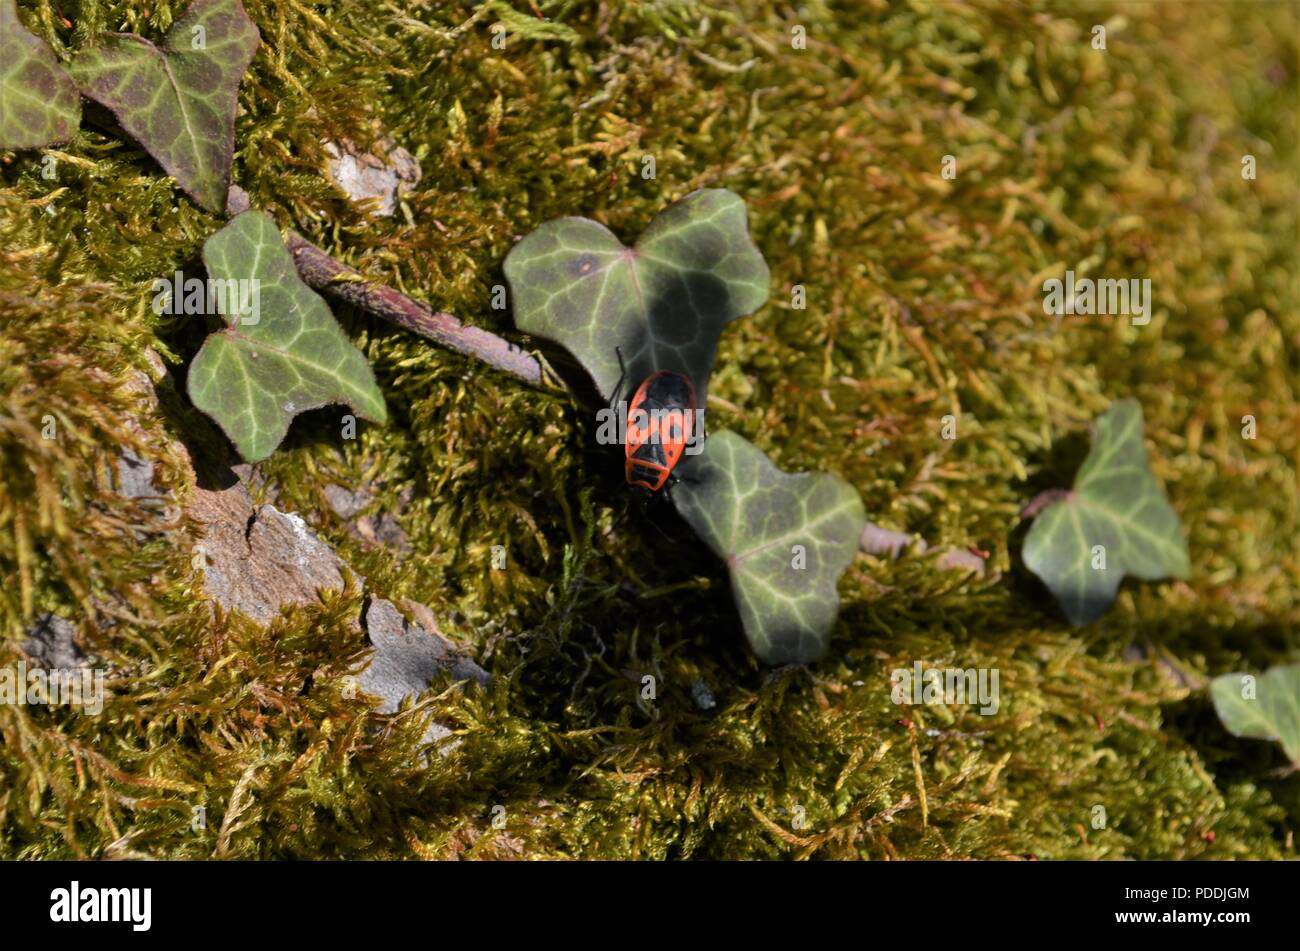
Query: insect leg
[[622, 375]]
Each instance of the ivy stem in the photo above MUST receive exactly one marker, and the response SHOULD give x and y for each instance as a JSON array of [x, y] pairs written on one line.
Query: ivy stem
[[1041, 501], [330, 276]]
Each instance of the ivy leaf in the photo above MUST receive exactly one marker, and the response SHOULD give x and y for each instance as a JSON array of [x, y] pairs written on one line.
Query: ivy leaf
[[1115, 522], [1267, 708], [663, 301], [287, 357], [178, 101], [786, 540], [39, 104]]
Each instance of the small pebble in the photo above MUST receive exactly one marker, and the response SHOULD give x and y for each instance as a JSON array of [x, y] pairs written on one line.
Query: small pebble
[[702, 695]]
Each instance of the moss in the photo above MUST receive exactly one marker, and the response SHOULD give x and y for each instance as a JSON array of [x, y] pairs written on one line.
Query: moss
[[923, 300]]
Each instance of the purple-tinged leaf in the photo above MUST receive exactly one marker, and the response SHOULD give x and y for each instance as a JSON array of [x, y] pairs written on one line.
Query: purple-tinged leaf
[[39, 104], [178, 100]]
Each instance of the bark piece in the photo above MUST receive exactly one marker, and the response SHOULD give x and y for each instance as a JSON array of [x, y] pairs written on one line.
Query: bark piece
[[257, 559]]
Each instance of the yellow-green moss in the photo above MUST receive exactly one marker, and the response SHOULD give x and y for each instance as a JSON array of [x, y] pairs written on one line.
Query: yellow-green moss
[[923, 300]]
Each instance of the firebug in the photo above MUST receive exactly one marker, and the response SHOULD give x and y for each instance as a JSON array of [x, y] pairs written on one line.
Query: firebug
[[660, 424]]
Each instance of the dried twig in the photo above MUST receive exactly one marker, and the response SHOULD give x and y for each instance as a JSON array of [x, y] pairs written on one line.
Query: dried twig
[[336, 279], [333, 277], [881, 541]]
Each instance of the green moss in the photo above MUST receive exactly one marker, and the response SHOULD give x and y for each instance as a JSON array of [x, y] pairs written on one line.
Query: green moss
[[923, 300]]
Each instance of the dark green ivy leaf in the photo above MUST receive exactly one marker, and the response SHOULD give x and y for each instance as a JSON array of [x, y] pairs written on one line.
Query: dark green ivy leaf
[[178, 101], [786, 540], [1115, 522], [663, 301], [39, 104], [263, 369]]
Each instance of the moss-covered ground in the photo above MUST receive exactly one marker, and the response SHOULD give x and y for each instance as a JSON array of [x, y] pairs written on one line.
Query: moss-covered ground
[[923, 300]]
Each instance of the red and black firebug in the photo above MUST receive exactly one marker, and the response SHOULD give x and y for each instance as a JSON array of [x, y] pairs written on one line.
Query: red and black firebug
[[660, 425]]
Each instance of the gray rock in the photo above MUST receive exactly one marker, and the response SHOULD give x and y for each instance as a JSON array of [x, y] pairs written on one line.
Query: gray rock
[[377, 529], [406, 659], [135, 476], [363, 175], [702, 695], [51, 644], [345, 502]]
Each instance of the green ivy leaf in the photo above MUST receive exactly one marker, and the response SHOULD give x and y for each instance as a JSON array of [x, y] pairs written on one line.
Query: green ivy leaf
[[1267, 708], [786, 540], [663, 301], [178, 101], [39, 104], [255, 375], [1116, 504]]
